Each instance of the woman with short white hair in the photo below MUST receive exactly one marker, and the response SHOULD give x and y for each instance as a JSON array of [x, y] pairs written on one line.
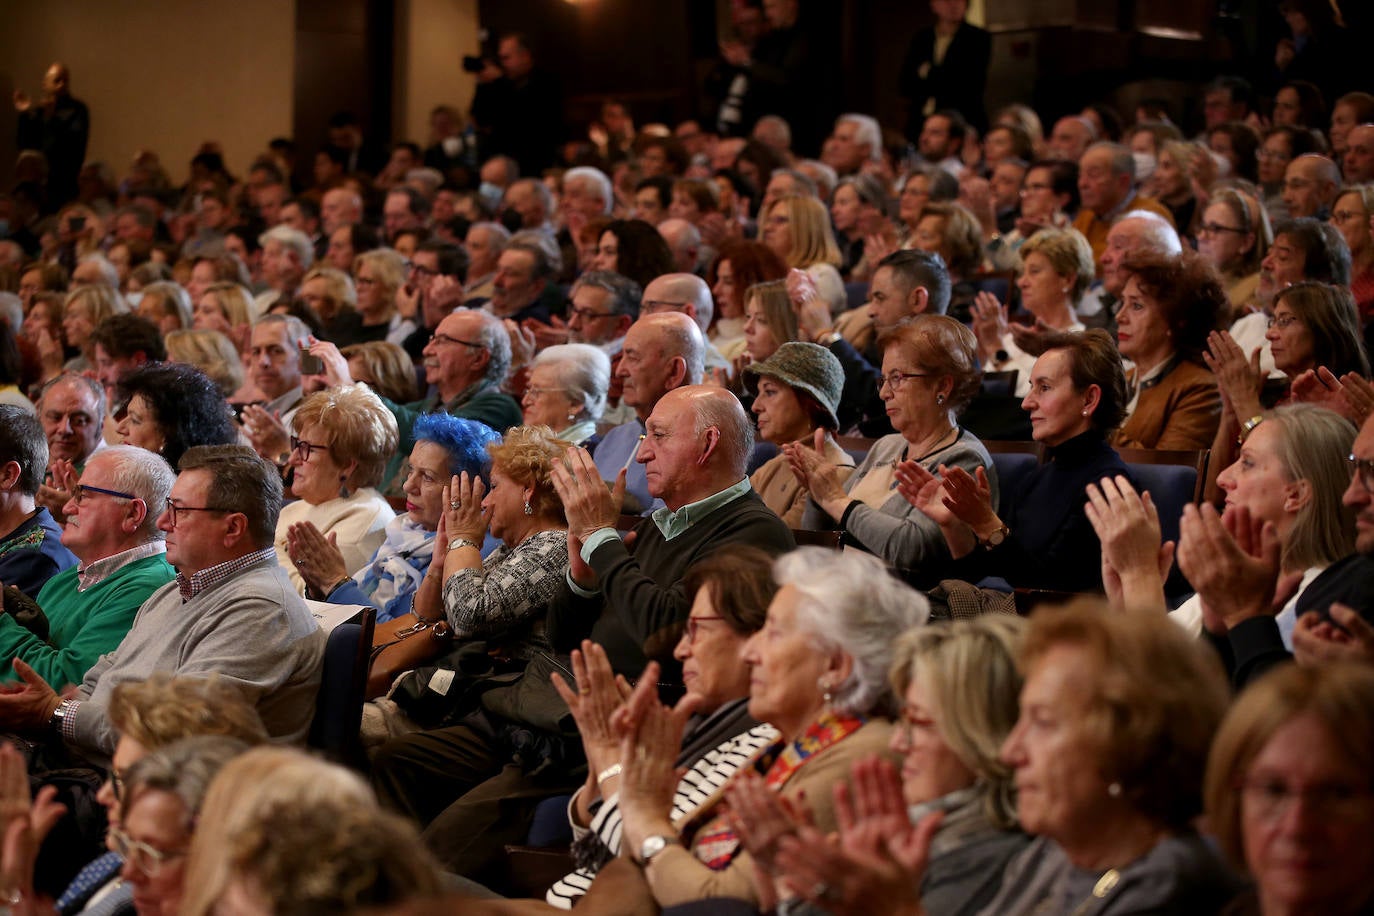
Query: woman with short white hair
[[567, 391]]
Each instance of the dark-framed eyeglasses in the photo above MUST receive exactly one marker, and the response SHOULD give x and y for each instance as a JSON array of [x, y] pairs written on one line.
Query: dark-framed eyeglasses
[[1362, 469], [80, 491], [146, 858], [588, 314], [895, 379], [177, 511], [694, 625], [1217, 228], [445, 339], [306, 449], [1281, 321], [421, 270]]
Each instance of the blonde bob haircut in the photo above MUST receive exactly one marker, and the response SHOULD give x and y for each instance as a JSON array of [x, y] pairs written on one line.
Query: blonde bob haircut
[[210, 352], [390, 368], [389, 265], [1340, 695], [338, 286], [777, 309], [526, 455], [946, 659], [1068, 253], [1157, 698], [235, 303], [164, 709], [813, 241], [359, 427], [101, 302]]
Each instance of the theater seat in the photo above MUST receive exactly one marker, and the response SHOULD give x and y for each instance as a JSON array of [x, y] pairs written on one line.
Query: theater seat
[[343, 684]]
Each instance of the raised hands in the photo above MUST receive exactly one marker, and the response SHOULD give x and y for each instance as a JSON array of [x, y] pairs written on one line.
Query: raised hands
[[1134, 562], [587, 503], [813, 312], [463, 513], [317, 557], [1233, 563], [1240, 378], [593, 700], [1351, 395], [57, 488], [650, 744], [990, 324], [265, 432], [821, 478], [1344, 636]]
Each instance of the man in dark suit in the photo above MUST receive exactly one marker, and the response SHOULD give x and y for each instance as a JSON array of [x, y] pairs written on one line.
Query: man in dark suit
[[946, 66]]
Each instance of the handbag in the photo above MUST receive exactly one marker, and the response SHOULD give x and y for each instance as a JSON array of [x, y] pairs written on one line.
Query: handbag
[[398, 647]]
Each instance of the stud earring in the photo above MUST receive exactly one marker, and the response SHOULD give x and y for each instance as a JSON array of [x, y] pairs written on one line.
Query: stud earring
[[1085, 411], [826, 687], [1114, 790], [939, 399]]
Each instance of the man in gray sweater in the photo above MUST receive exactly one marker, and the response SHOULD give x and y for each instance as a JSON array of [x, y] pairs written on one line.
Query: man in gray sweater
[[231, 612]]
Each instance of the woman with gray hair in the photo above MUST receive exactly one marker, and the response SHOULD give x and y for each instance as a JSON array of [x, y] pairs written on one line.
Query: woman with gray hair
[[567, 391], [819, 675]]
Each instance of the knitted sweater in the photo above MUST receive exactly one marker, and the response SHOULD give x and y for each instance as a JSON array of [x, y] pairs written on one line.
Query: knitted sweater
[[82, 625], [252, 629]]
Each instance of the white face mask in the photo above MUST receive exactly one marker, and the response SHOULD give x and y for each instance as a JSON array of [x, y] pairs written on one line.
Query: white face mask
[[1144, 166]]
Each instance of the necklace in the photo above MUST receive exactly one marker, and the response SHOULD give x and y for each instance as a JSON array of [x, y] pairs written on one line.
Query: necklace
[[938, 445], [1104, 886]]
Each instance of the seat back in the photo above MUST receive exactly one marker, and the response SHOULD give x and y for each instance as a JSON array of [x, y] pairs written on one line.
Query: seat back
[[1000, 384], [807, 538], [1172, 478], [1013, 461], [857, 447], [343, 686]]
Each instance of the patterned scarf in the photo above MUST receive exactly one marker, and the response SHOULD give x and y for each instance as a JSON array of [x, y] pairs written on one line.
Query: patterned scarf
[[400, 563], [716, 844]]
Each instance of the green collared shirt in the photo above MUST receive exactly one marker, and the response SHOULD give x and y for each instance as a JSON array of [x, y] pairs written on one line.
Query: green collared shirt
[[669, 523]]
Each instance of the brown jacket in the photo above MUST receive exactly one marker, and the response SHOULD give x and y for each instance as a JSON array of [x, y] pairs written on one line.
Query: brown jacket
[[1181, 412]]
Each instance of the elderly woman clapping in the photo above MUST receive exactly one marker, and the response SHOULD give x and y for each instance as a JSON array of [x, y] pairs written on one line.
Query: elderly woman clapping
[[818, 674], [445, 446], [342, 438]]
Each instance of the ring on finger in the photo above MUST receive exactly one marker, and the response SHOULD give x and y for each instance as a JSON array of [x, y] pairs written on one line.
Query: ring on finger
[[455, 504]]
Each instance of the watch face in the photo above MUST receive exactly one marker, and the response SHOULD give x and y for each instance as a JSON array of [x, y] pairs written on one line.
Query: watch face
[[651, 847]]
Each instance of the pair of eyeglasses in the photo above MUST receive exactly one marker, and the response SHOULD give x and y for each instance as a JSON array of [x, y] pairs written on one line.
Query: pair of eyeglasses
[[1217, 228], [306, 449], [1362, 469], [536, 392], [1282, 321], [445, 339], [587, 314], [81, 490], [694, 625], [1272, 798], [422, 271], [178, 512], [146, 858], [895, 380]]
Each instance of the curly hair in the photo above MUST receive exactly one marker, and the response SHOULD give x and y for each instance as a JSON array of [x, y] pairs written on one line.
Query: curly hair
[[945, 346], [164, 709], [526, 456], [1186, 291], [359, 427], [186, 404]]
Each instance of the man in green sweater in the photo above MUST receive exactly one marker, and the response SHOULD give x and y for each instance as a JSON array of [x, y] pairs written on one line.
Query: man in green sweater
[[112, 529]]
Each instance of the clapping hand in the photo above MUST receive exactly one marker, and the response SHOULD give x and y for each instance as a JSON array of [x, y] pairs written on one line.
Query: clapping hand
[[1345, 636], [317, 557], [1239, 378], [1134, 562]]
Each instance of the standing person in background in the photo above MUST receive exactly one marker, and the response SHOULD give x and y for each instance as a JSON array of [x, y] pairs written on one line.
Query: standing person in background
[[946, 66], [519, 110], [58, 127]]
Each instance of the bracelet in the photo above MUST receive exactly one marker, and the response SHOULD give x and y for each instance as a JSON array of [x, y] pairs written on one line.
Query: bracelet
[[610, 772], [337, 585], [1248, 427]]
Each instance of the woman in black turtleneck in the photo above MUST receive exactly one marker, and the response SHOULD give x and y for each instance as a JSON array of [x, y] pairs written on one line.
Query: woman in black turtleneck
[[1041, 538]]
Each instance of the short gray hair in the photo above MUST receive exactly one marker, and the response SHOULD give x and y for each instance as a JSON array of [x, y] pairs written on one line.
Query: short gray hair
[[497, 343], [1159, 235], [584, 374], [296, 330], [108, 275], [548, 260], [595, 177], [825, 186], [869, 132], [494, 231], [1123, 160], [145, 474], [295, 240], [625, 293], [184, 769], [850, 602]]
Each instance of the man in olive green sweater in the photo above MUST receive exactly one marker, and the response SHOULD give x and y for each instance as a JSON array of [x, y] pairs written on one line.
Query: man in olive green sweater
[[111, 527]]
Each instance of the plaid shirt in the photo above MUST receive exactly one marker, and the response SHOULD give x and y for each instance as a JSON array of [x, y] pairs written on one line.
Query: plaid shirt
[[210, 577]]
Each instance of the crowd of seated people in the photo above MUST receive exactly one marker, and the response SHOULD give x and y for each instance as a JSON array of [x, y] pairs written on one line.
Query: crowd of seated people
[[565, 431]]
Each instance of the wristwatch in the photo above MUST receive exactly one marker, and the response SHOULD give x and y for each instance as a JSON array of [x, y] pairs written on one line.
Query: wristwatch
[[996, 538], [60, 714], [1247, 428], [463, 542], [653, 845], [828, 337]]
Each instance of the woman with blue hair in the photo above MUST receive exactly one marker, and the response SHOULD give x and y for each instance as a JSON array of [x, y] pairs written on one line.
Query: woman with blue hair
[[445, 446]]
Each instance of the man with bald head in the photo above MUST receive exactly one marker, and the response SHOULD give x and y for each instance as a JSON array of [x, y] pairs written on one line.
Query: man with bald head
[[340, 207], [1136, 231], [661, 352], [1071, 137], [695, 452], [684, 241], [1310, 185], [686, 293]]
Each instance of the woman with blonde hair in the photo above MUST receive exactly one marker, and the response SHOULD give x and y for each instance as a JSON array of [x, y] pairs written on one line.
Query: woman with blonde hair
[[85, 307], [769, 320], [1288, 790], [797, 229], [1172, 182], [341, 441], [210, 352], [281, 831], [1351, 215], [1057, 269], [330, 293], [953, 232], [166, 305], [378, 275], [383, 366]]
